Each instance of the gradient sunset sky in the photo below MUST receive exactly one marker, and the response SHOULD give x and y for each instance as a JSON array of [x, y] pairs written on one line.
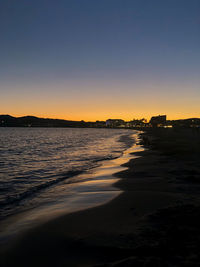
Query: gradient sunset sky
[[100, 59]]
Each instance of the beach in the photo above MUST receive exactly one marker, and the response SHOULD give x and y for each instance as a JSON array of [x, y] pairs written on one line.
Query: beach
[[154, 222]]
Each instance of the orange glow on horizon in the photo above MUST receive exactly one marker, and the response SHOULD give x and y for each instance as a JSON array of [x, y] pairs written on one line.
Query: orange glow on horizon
[[101, 102], [94, 117]]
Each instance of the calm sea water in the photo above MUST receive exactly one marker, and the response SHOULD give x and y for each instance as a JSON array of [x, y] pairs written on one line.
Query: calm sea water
[[35, 161]]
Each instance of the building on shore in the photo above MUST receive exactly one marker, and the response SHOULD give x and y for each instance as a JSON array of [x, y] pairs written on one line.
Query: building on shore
[[158, 121], [112, 123]]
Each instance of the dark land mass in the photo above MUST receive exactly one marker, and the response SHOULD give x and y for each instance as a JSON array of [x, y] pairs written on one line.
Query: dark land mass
[[31, 121], [191, 122], [153, 223]]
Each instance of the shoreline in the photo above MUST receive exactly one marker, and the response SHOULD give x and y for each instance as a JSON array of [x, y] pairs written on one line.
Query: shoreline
[[99, 180], [141, 226]]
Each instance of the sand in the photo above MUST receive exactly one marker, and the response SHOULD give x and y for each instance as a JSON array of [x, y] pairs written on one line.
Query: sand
[[155, 222]]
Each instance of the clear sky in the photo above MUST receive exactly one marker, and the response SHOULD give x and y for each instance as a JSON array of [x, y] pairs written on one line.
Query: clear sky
[[99, 59]]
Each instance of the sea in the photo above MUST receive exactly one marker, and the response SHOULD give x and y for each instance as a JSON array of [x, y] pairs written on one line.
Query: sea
[[43, 167]]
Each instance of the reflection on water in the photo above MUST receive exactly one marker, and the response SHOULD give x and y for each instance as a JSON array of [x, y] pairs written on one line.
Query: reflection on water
[[33, 161], [87, 190]]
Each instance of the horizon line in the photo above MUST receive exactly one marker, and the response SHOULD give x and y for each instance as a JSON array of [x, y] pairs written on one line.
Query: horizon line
[[56, 118]]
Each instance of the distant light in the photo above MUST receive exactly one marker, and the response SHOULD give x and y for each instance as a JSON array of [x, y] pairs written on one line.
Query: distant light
[[168, 126]]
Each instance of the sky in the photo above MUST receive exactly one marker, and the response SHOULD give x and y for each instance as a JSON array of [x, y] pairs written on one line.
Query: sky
[[100, 59]]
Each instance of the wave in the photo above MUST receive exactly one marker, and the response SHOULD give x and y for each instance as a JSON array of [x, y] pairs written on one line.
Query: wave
[[35, 189], [9, 200], [26, 180]]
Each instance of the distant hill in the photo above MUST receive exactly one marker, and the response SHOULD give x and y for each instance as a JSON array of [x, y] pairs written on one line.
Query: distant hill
[[31, 121], [191, 122]]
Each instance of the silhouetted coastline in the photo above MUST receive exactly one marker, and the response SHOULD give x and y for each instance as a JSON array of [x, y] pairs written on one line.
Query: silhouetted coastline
[[155, 121]]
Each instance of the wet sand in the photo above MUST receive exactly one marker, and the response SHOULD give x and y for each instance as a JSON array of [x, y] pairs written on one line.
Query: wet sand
[[155, 222]]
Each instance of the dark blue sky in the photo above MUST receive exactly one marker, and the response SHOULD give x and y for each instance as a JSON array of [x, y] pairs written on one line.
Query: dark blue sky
[[119, 52]]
